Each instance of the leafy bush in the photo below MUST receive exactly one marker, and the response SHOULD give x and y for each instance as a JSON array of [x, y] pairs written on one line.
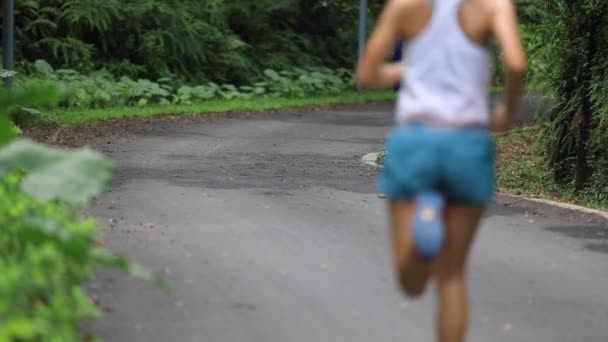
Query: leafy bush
[[575, 36], [45, 261], [100, 89], [48, 252], [198, 41], [534, 41]]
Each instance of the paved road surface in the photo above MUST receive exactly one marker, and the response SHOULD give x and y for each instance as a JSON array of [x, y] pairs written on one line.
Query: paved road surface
[[270, 231]]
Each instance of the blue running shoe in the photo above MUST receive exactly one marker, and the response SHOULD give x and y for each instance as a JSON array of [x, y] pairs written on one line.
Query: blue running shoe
[[428, 229]]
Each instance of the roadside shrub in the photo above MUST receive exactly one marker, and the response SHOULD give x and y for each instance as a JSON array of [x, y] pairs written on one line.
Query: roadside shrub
[[575, 139], [195, 41], [100, 89], [47, 251], [46, 260]]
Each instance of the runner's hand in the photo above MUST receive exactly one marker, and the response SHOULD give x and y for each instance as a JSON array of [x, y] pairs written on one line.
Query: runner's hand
[[501, 120]]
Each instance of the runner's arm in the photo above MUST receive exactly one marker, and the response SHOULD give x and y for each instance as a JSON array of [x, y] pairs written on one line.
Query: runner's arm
[[505, 29], [373, 71]]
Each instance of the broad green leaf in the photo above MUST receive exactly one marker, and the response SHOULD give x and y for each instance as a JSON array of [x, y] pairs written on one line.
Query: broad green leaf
[[30, 110], [271, 74], [103, 95], [43, 67], [82, 94], [229, 87], [66, 72], [55, 174]]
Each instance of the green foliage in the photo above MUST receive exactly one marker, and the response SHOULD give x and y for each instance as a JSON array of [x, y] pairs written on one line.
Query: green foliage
[[101, 90], [45, 261], [48, 255], [55, 174], [48, 252], [530, 13], [34, 93], [575, 39], [198, 41], [534, 38]]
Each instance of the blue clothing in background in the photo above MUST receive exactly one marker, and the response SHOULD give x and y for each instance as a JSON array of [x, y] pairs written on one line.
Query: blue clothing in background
[[397, 58]]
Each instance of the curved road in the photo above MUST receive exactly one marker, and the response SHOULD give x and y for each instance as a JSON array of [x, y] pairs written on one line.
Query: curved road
[[270, 231]]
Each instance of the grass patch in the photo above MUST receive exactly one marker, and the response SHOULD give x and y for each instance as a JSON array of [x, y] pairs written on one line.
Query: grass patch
[[74, 116], [80, 116], [522, 171]]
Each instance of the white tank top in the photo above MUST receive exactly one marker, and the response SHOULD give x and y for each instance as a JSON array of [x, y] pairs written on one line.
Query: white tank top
[[447, 75]]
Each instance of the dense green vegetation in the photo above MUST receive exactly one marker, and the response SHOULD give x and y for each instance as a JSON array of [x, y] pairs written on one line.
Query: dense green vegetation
[[48, 251], [573, 44], [186, 52], [230, 42], [103, 90], [181, 52]]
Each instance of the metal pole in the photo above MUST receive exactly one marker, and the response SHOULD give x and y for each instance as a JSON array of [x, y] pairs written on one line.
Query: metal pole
[[362, 27], [8, 42]]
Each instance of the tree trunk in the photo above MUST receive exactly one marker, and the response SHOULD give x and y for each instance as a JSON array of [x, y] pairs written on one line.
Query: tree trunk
[[582, 168]]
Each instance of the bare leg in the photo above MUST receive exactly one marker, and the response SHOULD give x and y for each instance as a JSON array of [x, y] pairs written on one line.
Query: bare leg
[[413, 272], [450, 268]]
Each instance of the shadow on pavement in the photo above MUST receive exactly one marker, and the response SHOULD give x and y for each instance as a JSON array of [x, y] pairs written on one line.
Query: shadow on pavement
[[595, 235]]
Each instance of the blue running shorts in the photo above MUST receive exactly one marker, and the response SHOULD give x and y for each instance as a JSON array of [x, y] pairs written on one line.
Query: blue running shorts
[[460, 163]]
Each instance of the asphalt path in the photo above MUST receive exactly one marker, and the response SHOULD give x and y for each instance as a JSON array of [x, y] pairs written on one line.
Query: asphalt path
[[270, 230]]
